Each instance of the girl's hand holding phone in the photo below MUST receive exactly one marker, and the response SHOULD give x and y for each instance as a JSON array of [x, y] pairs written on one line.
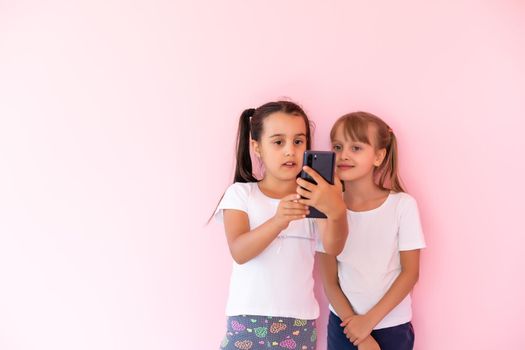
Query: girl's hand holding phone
[[324, 196]]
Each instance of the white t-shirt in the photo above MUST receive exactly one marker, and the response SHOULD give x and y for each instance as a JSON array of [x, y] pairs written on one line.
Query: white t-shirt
[[370, 260], [278, 282]]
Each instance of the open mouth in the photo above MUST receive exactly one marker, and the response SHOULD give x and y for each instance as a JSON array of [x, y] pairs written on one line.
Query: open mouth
[[345, 166], [289, 164]]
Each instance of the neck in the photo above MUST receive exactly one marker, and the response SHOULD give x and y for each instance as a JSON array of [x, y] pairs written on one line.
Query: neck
[[361, 190], [276, 187]]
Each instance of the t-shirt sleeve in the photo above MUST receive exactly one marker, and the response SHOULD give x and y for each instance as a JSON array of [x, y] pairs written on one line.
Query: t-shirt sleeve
[[410, 230], [235, 197]]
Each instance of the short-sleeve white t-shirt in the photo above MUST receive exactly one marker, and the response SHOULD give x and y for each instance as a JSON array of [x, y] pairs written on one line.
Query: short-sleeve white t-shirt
[[370, 260], [279, 281]]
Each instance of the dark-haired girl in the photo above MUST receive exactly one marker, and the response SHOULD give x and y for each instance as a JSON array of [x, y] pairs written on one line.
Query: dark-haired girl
[[271, 301]]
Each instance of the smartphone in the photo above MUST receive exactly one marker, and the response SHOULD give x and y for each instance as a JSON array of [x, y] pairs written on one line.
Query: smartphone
[[323, 162]]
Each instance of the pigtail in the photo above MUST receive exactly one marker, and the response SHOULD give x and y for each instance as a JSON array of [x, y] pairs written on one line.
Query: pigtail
[[243, 167], [389, 169], [250, 128]]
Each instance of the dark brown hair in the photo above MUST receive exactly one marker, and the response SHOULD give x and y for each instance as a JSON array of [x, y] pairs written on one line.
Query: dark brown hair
[[356, 126], [251, 124]]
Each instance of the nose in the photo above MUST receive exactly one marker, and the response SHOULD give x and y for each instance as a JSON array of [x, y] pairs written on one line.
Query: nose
[[289, 150], [344, 154]]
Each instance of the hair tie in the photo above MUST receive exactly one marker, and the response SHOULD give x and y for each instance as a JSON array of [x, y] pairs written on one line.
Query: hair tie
[[248, 113]]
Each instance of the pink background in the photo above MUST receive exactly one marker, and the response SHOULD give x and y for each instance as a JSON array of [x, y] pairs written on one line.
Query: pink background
[[117, 128]]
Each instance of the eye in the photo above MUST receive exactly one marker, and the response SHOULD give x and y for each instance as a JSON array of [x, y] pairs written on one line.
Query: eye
[[298, 142], [278, 142], [337, 148], [356, 148]]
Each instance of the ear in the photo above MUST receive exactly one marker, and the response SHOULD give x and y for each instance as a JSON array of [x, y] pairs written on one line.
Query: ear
[[256, 148], [380, 157]]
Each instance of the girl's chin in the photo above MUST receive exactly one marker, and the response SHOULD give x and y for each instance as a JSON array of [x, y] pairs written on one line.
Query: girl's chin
[[346, 177], [286, 175], [342, 175]]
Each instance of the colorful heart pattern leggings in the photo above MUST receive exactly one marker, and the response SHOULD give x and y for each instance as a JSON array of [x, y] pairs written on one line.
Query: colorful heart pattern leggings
[[247, 332]]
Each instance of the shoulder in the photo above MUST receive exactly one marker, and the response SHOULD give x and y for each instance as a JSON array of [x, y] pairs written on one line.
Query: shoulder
[[404, 202], [236, 196], [239, 191], [410, 228], [403, 199]]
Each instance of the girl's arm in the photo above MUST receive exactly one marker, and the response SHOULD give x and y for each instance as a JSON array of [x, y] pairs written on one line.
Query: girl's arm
[[335, 295], [359, 327], [245, 244], [335, 231], [332, 289], [328, 199]]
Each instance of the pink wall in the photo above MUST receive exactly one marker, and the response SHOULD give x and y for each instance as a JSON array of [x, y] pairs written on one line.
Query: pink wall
[[117, 125]]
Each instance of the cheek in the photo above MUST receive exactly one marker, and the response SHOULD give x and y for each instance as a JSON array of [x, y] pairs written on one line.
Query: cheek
[[266, 148]]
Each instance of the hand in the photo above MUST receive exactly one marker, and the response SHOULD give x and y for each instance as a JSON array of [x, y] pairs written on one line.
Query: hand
[[357, 328], [368, 343], [289, 209], [324, 197]]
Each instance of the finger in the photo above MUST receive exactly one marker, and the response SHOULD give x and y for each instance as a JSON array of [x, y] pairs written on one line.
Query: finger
[[337, 182], [314, 174], [290, 198], [305, 184], [307, 202], [293, 212], [345, 322], [295, 217], [294, 205], [304, 193]]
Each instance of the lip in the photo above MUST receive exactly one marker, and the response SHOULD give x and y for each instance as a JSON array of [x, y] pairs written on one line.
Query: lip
[[289, 164], [345, 166]]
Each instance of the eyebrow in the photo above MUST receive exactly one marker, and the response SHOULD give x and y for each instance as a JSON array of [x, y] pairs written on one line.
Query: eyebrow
[[349, 140], [275, 135]]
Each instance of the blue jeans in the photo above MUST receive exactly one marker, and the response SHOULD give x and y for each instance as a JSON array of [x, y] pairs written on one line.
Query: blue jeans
[[392, 338]]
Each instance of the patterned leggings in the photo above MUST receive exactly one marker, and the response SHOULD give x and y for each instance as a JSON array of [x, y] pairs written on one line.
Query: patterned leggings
[[264, 332]]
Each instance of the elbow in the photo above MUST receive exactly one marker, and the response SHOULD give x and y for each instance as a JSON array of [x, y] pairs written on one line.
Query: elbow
[[335, 248], [413, 276], [239, 259], [237, 254], [416, 277], [328, 288], [334, 251]]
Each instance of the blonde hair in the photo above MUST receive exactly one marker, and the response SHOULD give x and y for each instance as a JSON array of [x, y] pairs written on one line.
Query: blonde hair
[[356, 126]]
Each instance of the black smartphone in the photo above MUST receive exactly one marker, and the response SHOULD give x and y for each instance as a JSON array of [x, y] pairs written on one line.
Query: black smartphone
[[323, 162]]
